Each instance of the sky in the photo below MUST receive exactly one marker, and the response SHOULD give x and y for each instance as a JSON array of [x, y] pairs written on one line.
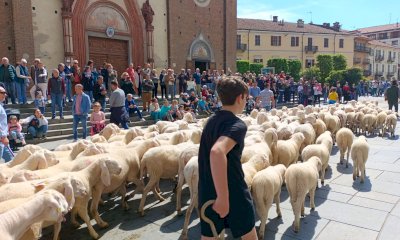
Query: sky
[[352, 14]]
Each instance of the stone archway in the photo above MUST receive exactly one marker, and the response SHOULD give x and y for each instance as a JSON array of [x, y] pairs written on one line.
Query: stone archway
[[81, 9], [200, 54]]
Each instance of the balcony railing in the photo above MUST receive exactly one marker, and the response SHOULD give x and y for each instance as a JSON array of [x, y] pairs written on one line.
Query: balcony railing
[[357, 60], [390, 74], [366, 61], [362, 49], [367, 73], [312, 49], [378, 73], [241, 47], [379, 58], [391, 59]]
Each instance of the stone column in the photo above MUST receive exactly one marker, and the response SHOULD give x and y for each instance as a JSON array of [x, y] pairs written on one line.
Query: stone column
[[148, 13], [67, 29]]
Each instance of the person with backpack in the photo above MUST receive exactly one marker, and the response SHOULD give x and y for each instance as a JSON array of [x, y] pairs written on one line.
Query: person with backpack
[[37, 124]]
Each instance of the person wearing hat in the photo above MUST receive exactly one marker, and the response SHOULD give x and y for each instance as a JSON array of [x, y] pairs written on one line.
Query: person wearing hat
[[5, 151], [22, 81], [392, 96]]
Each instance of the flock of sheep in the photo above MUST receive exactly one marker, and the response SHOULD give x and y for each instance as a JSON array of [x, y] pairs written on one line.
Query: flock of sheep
[[287, 146]]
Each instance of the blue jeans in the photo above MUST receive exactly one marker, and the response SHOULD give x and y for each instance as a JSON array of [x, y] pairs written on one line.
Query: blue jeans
[[77, 119], [103, 105], [10, 88], [171, 89], [68, 90], [155, 116], [38, 132], [42, 109], [21, 92], [6, 153], [56, 99], [267, 108], [90, 94], [131, 111]]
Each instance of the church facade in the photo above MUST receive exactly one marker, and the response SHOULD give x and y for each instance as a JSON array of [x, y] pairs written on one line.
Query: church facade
[[166, 33]]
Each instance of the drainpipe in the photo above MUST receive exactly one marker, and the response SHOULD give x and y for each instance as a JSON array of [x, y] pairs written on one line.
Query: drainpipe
[[334, 44], [248, 45], [225, 43], [302, 51], [168, 35]]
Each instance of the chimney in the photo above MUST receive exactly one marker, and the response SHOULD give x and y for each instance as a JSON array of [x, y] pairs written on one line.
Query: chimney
[[336, 26], [300, 23], [275, 19], [282, 22], [326, 25]]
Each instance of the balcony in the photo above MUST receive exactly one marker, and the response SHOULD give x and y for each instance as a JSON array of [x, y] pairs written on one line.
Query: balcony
[[366, 61], [312, 49], [379, 58], [242, 47], [362, 49], [367, 73], [390, 74], [357, 60], [391, 59], [379, 74]]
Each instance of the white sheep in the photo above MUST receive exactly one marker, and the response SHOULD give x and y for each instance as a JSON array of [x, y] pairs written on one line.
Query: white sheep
[[309, 134], [344, 140], [390, 124], [47, 206], [359, 154], [265, 147], [368, 123], [257, 163], [266, 188], [380, 122], [332, 124], [302, 178], [287, 151], [22, 155]]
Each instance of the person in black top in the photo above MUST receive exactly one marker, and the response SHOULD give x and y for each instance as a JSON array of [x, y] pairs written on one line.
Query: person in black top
[[100, 93], [221, 176]]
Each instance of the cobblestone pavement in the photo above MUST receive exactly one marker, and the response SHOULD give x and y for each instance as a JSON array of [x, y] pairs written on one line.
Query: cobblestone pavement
[[344, 209]]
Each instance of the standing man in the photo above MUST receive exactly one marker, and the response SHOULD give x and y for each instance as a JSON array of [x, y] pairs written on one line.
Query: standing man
[[56, 91], [22, 81], [392, 95], [182, 81], [80, 110], [40, 78], [197, 80], [7, 77], [117, 106], [100, 93], [170, 81], [266, 97], [67, 81], [5, 152]]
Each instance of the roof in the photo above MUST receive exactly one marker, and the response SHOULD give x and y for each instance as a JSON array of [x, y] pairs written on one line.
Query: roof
[[379, 43], [266, 25], [381, 28]]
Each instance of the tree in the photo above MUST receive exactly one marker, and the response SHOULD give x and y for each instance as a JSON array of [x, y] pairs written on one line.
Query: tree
[[294, 68], [339, 62], [325, 65], [353, 75], [280, 64], [310, 73], [336, 77], [242, 66], [255, 67]]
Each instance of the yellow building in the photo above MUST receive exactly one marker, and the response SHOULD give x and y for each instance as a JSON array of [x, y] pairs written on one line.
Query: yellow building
[[363, 55], [260, 40], [384, 60]]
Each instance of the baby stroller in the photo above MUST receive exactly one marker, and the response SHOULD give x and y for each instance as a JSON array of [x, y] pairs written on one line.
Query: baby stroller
[[13, 144]]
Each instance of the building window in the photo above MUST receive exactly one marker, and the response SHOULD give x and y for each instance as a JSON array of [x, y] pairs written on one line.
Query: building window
[[275, 40], [383, 68], [310, 63], [258, 60], [372, 36], [238, 41], [326, 42], [383, 36], [309, 41], [257, 40], [341, 43], [295, 42], [395, 42]]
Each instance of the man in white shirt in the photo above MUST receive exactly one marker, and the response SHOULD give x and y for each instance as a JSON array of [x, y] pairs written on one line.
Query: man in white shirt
[[266, 97]]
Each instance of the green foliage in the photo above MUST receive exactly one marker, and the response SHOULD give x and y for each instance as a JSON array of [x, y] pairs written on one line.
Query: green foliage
[[325, 65], [294, 68], [280, 64], [255, 67], [242, 66], [310, 73], [339, 62], [336, 76], [353, 75]]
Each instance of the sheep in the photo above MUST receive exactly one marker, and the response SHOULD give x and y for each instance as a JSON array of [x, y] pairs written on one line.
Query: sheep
[[266, 188], [368, 123], [318, 125], [262, 117], [342, 117], [326, 136], [98, 139], [344, 140], [22, 155], [380, 122], [284, 132], [390, 124], [309, 134], [358, 119], [332, 124], [257, 163], [47, 206], [350, 117], [253, 113], [270, 140], [71, 154], [287, 151], [302, 178], [359, 154], [109, 130], [191, 174], [100, 170], [321, 151]]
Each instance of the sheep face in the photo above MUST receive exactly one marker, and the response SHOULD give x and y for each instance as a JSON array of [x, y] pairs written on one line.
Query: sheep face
[[50, 158], [78, 187], [57, 205], [113, 166]]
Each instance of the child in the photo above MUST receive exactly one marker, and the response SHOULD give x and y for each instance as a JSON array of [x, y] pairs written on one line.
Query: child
[[97, 119], [220, 171], [172, 114], [204, 106], [181, 112], [40, 102], [131, 107], [164, 110], [154, 110], [333, 96], [14, 130], [250, 105]]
